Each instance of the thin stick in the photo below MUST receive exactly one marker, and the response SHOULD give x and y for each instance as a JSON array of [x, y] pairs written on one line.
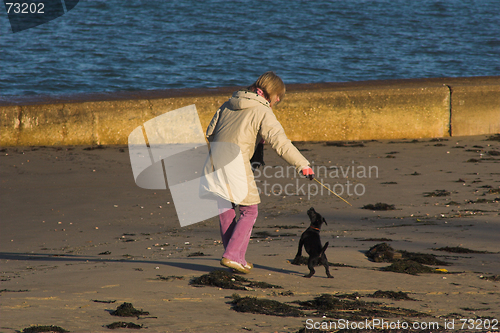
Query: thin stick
[[338, 196]]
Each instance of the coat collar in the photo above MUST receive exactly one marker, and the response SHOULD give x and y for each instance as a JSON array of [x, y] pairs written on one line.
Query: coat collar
[[250, 95]]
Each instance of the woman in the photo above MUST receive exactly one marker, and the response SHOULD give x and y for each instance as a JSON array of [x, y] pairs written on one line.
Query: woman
[[245, 120]]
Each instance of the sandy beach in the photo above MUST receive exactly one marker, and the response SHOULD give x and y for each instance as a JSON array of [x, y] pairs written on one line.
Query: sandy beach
[[79, 238]]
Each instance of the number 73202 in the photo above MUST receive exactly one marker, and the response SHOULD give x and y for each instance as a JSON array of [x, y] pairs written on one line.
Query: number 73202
[[479, 324], [25, 8]]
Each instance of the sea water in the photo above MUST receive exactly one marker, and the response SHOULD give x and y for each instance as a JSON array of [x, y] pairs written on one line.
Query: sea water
[[117, 45]]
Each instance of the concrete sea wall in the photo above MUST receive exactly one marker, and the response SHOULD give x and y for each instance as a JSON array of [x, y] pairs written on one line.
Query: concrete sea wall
[[394, 109]]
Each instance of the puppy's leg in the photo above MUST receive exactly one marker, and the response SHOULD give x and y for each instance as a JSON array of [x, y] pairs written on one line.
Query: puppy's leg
[[324, 262], [310, 264]]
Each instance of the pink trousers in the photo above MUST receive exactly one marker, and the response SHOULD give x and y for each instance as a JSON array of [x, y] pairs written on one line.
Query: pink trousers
[[236, 233]]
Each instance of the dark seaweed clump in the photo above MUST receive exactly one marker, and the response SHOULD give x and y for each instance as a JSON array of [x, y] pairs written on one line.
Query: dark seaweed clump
[[375, 240], [458, 249], [128, 310], [220, 279], [197, 254], [13, 291], [122, 324], [263, 285], [329, 305], [286, 227], [170, 277], [263, 234], [437, 193], [379, 206], [423, 258], [495, 137], [264, 306], [49, 328], [333, 307], [94, 147], [383, 253], [395, 295], [225, 280], [345, 144], [408, 267], [404, 261], [99, 301], [267, 234], [495, 278]]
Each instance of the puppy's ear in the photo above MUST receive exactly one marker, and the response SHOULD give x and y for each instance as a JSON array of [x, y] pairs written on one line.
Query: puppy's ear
[[324, 221]]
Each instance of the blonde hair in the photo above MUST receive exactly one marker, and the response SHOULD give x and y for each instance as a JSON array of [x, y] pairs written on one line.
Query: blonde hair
[[271, 84]]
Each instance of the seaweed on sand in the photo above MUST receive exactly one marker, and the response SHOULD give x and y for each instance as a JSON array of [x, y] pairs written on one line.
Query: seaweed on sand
[[334, 307], [423, 258], [50, 328], [263, 234], [264, 306], [494, 137], [100, 301], [220, 279], [326, 304], [225, 280], [266, 234], [437, 193], [263, 285], [354, 295], [395, 295], [128, 310], [404, 261], [286, 227], [383, 253], [197, 254], [458, 249], [408, 267], [379, 206], [94, 147], [494, 278], [122, 324], [169, 278], [374, 240], [351, 144]]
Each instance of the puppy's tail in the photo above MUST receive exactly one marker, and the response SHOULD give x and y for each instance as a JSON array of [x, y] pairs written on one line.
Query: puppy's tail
[[324, 248]]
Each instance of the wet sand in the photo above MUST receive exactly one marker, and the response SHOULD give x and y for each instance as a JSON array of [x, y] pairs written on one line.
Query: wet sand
[[75, 229]]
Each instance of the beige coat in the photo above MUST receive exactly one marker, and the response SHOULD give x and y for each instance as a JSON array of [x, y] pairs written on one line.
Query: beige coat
[[242, 122]]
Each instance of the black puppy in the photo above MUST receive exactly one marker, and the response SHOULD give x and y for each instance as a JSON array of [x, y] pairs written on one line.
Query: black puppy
[[312, 243]]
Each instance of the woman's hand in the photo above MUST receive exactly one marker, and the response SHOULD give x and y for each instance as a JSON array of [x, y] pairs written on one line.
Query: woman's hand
[[308, 172]]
